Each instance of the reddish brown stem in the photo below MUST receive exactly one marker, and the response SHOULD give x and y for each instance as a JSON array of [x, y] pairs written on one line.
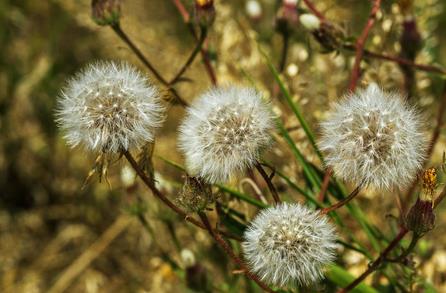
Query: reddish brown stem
[[150, 184], [399, 60], [342, 202], [191, 58], [383, 255], [121, 34], [313, 9], [361, 43], [325, 183], [268, 181], [204, 55], [434, 139], [231, 253], [375, 264]]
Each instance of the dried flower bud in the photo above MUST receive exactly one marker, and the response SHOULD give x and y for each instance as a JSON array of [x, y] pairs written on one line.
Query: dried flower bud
[[204, 12], [106, 12], [410, 39], [195, 195], [286, 16], [421, 217], [329, 35]]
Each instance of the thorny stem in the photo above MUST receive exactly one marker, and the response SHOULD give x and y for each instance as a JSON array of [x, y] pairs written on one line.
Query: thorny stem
[[121, 34], [192, 56], [204, 55], [231, 253], [151, 185], [268, 181], [325, 183], [383, 256], [344, 201], [361, 43], [313, 9]]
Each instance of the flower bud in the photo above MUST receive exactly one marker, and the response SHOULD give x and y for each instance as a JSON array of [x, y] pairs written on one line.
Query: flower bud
[[421, 217], [106, 12], [204, 12], [329, 35], [286, 16], [410, 39], [310, 21], [195, 195]]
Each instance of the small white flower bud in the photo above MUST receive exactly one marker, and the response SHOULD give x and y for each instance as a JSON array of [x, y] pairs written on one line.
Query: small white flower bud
[[310, 21], [253, 9]]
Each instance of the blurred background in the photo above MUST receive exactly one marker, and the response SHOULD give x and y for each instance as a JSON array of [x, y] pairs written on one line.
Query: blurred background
[[56, 236]]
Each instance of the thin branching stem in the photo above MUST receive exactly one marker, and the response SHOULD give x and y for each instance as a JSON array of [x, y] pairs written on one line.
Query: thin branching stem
[[433, 142], [375, 264], [344, 201], [313, 9], [156, 192], [123, 36], [399, 60], [118, 30], [225, 246], [360, 45], [270, 184], [325, 183], [204, 54], [192, 56], [383, 255]]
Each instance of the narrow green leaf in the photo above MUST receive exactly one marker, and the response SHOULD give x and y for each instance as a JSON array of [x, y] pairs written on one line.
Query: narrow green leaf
[[343, 278], [241, 196], [294, 107]]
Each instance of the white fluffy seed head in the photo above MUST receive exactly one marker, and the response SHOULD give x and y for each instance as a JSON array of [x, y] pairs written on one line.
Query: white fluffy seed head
[[289, 243], [224, 132], [374, 138], [109, 107]]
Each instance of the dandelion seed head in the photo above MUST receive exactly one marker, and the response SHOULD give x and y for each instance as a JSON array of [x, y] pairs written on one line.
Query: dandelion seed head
[[224, 132], [375, 138], [289, 243], [109, 107]]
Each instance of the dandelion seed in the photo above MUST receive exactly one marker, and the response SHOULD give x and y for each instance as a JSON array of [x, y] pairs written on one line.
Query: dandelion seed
[[93, 114], [391, 147], [212, 134], [289, 243]]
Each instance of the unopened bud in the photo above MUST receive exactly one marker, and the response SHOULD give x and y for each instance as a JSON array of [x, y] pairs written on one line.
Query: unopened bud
[[253, 9], [410, 39], [204, 12], [106, 12], [329, 35], [195, 195], [310, 21], [286, 16], [421, 217]]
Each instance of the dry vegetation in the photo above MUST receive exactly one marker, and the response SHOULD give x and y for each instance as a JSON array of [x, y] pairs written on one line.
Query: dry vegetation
[[56, 236]]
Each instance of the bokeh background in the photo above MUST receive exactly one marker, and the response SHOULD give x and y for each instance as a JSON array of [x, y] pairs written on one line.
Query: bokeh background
[[48, 221]]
